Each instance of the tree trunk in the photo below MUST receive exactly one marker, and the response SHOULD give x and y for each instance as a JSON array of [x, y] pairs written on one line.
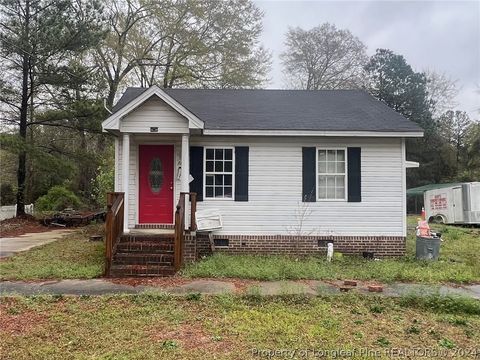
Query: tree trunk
[[30, 179], [458, 154], [112, 91], [22, 156]]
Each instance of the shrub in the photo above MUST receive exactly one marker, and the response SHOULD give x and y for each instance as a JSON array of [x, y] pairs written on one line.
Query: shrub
[[57, 198], [104, 181], [7, 195]]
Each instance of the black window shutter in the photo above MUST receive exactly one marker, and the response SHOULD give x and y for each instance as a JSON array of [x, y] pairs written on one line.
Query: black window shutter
[[309, 191], [241, 173], [196, 170], [354, 174]]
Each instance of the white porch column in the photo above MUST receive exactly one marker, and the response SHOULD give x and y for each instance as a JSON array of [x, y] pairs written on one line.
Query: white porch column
[[185, 163], [184, 186], [126, 177], [117, 161]]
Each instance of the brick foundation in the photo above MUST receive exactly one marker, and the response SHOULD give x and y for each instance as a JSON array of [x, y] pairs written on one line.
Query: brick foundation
[[382, 246]]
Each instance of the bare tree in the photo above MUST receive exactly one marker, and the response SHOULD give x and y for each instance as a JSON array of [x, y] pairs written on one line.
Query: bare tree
[[302, 213], [323, 58], [454, 127], [206, 43], [194, 43], [128, 42], [442, 91]]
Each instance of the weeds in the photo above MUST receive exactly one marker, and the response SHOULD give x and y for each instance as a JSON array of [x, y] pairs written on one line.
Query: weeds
[[377, 309], [383, 341], [253, 293], [169, 345], [446, 343], [443, 304], [193, 296], [458, 263]]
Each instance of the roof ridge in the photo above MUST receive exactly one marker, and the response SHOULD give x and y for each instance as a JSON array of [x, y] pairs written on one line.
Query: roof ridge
[[280, 90], [228, 90], [287, 109]]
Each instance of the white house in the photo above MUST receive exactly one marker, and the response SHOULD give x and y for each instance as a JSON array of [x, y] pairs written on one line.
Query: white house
[[287, 170]]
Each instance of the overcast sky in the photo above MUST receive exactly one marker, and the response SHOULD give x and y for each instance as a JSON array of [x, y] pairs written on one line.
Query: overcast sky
[[440, 35]]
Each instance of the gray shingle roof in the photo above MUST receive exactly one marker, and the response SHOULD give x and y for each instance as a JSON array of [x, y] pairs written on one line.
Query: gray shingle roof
[[323, 110]]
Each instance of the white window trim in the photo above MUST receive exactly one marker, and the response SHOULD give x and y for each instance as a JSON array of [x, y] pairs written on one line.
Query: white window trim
[[345, 199], [225, 173]]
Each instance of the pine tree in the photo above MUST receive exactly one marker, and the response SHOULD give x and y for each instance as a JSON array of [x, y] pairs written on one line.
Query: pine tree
[[37, 39]]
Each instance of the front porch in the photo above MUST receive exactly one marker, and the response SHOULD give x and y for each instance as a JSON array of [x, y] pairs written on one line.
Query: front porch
[[152, 207], [151, 170]]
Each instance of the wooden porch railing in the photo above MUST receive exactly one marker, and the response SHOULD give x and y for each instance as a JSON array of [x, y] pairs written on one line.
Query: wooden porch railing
[[180, 225], [113, 226]]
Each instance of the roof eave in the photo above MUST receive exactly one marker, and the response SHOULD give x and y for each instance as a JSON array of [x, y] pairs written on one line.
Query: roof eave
[[335, 133]]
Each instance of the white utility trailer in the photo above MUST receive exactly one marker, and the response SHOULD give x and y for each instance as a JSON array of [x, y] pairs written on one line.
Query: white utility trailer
[[458, 204]]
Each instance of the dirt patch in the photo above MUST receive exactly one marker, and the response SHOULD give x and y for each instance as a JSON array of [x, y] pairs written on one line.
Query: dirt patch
[[21, 225], [21, 323], [242, 285], [190, 337]]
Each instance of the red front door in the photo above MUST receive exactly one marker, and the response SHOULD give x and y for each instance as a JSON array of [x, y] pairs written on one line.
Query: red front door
[[156, 184]]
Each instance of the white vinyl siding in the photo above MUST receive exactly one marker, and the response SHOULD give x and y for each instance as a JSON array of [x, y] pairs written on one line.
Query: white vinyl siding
[[275, 189], [154, 113]]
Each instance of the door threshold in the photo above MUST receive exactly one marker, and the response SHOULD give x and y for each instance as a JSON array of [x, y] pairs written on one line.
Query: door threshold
[[150, 231]]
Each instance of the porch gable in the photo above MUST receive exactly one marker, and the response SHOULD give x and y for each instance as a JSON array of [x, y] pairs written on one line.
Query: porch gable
[[154, 111], [154, 116]]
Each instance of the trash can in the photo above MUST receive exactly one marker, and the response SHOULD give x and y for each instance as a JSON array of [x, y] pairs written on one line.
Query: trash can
[[427, 248]]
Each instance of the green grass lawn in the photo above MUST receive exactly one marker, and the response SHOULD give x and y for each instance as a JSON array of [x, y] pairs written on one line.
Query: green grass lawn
[[76, 257], [459, 263], [72, 257], [155, 326]]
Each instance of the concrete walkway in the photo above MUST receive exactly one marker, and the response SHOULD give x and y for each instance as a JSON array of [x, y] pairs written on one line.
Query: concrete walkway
[[13, 245], [208, 286]]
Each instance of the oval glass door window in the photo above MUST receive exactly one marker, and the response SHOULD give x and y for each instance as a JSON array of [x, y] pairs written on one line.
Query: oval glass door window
[[155, 176]]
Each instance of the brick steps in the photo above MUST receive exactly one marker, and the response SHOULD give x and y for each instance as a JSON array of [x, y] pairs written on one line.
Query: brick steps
[[147, 238], [146, 247], [141, 270], [143, 259], [142, 255]]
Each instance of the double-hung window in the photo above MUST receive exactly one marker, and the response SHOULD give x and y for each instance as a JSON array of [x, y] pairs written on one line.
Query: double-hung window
[[219, 173], [331, 174]]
